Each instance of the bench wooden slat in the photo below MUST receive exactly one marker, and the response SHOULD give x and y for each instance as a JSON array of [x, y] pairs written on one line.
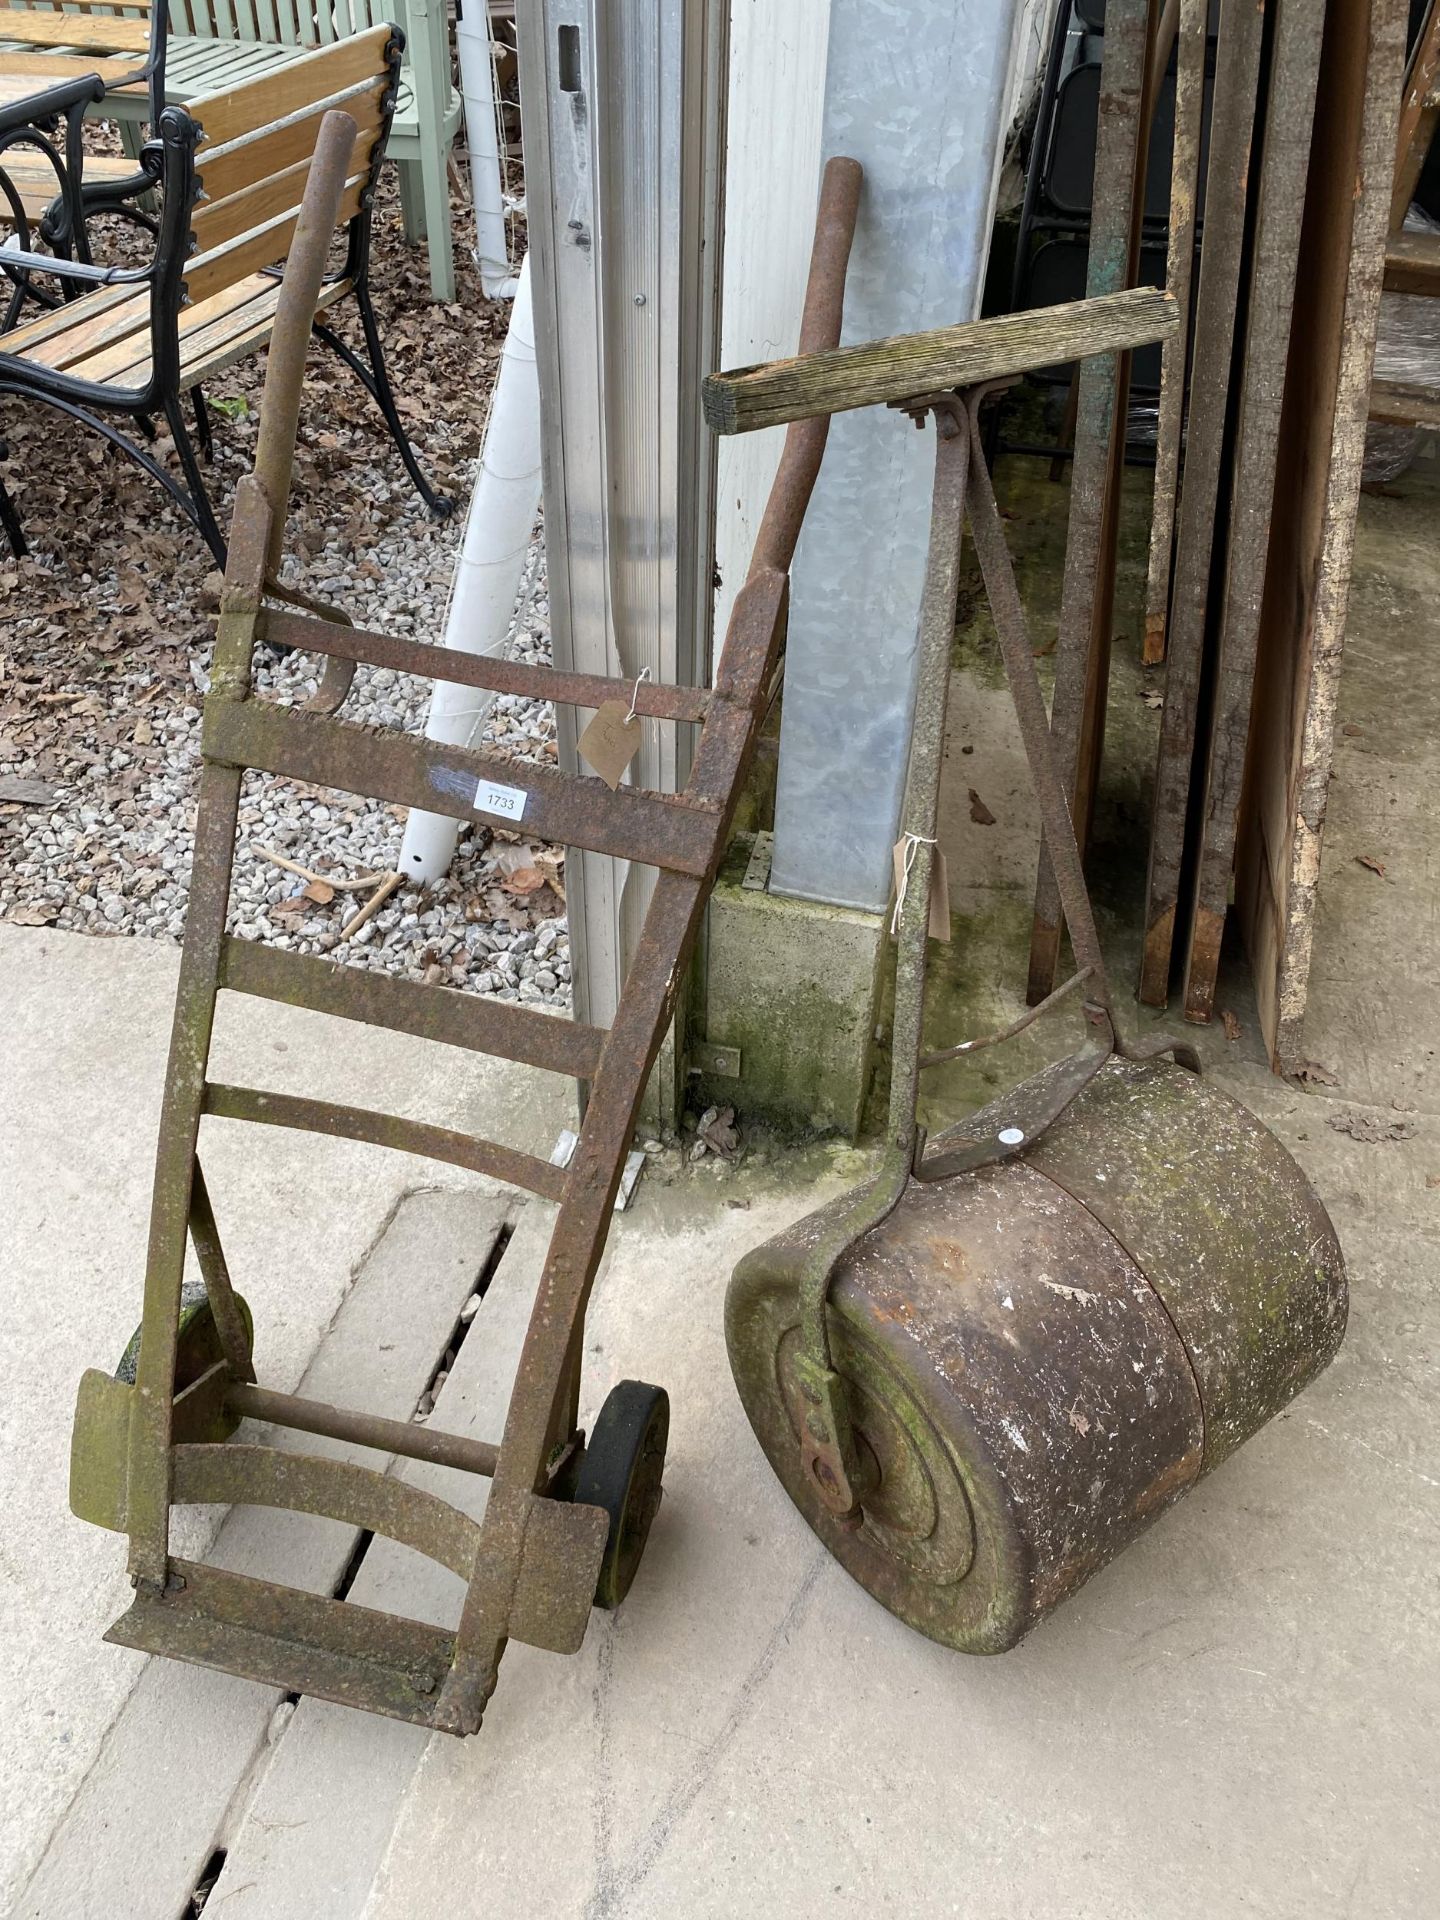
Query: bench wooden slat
[[61, 66], [33, 178], [105, 337], [219, 347], [107, 8], [194, 69], [98, 33], [228, 327], [243, 109], [277, 193], [31, 333], [228, 173], [102, 325], [267, 246], [125, 361]]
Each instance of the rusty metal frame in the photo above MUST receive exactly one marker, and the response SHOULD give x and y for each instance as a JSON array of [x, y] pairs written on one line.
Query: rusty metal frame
[[834, 1466], [532, 1563]]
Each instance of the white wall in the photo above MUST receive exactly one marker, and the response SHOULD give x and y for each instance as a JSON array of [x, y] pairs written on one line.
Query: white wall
[[775, 114]]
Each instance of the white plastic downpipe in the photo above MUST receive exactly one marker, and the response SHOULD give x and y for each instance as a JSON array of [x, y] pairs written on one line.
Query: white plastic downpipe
[[482, 140], [498, 530]]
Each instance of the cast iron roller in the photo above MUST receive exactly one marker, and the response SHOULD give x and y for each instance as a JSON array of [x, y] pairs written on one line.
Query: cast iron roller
[[1040, 1357], [984, 1374]]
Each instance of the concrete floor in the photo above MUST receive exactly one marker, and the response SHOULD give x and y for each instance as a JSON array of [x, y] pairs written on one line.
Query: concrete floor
[[1239, 1717]]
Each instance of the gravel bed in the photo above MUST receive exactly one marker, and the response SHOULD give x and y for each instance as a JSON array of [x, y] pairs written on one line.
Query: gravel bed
[[104, 660], [95, 860]]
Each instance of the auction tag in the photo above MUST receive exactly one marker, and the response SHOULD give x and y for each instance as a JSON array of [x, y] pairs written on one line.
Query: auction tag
[[610, 742], [939, 922], [491, 797]]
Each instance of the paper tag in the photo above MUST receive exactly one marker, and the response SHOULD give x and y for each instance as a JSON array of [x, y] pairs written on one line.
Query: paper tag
[[939, 924], [610, 742], [490, 797]]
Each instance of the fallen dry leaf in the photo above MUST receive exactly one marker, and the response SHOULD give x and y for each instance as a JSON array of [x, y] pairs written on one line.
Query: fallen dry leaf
[[1370, 1128], [1078, 1421], [510, 855], [718, 1131], [38, 916], [320, 891], [1153, 698], [500, 905], [1375, 866], [1432, 1179], [1313, 1074], [1233, 1028], [979, 812]]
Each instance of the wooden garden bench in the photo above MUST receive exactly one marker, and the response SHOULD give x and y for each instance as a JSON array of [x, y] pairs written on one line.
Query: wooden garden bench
[[33, 179], [230, 171], [215, 45]]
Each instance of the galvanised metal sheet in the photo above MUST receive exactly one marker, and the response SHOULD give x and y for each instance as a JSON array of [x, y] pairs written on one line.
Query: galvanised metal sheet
[[919, 94]]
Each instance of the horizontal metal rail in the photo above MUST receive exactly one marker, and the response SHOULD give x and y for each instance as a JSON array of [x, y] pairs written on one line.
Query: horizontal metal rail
[[387, 1130], [457, 1019], [282, 628], [575, 811], [293, 1640], [363, 1429], [232, 1473]]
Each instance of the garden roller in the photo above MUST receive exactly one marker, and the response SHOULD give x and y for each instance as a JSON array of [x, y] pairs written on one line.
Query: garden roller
[[984, 1373]]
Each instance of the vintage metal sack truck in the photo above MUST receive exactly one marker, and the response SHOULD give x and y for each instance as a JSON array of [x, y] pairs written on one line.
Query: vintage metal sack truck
[[567, 1516]]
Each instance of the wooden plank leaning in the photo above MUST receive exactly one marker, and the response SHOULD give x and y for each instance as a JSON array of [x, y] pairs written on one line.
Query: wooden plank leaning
[[1289, 118]]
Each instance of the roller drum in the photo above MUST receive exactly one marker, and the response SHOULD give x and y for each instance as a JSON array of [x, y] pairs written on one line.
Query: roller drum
[[1042, 1356]]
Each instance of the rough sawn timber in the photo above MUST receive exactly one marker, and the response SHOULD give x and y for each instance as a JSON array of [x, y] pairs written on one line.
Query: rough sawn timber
[[1317, 490], [917, 363], [1179, 269], [1289, 117], [1204, 500]]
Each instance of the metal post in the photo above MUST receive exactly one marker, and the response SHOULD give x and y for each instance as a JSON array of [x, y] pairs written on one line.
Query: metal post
[[623, 111]]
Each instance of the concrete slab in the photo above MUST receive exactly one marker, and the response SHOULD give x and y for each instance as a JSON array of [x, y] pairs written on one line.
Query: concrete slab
[[87, 1024], [388, 1337], [312, 1837], [1374, 1008], [1241, 1716]]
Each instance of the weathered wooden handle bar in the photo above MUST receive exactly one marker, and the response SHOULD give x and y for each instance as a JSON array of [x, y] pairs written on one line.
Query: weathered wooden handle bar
[[916, 363]]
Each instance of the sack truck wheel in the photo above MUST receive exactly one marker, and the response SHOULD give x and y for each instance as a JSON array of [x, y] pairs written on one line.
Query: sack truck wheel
[[620, 1471], [197, 1348]]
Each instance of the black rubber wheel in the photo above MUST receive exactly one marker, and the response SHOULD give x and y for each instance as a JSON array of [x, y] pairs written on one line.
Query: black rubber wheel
[[197, 1348], [620, 1471]]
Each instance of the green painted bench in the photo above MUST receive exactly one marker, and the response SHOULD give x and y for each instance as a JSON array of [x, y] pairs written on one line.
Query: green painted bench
[[218, 44]]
